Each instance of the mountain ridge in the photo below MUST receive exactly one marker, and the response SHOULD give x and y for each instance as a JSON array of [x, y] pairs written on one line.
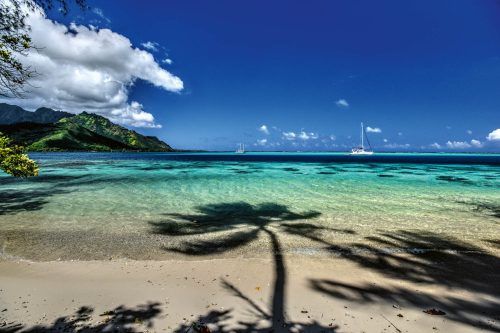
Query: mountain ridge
[[13, 114], [50, 130]]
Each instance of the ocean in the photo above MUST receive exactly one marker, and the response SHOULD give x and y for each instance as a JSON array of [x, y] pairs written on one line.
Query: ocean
[[86, 206]]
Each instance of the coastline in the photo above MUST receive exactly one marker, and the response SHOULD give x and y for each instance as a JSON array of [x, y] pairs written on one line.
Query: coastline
[[248, 247]]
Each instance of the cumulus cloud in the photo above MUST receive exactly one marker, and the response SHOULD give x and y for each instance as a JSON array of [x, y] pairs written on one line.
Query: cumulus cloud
[[469, 132], [261, 142], [494, 135], [333, 137], [264, 129], [152, 46], [85, 69], [458, 144], [289, 135], [167, 61], [464, 144], [302, 135], [435, 145], [476, 143], [397, 146], [385, 140], [373, 130], [307, 135], [342, 103]]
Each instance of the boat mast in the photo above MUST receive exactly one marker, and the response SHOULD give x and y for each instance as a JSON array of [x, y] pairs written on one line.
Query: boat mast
[[362, 146]]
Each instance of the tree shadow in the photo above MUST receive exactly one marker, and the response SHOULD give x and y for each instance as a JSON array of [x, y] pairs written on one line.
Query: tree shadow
[[427, 259], [13, 201], [234, 225], [492, 209], [50, 179], [494, 242], [17, 201], [120, 319], [218, 321]]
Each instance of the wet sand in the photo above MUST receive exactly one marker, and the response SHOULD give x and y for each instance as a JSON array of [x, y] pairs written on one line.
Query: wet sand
[[292, 293]]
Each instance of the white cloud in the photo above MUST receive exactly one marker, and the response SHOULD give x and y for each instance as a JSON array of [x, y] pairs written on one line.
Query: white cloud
[[464, 144], [261, 142], [100, 13], [264, 129], [476, 143], [400, 134], [289, 135], [152, 46], [167, 61], [307, 135], [342, 103], [458, 144], [396, 145], [82, 68], [494, 135], [435, 145], [303, 135], [385, 140], [333, 137], [469, 132], [373, 130]]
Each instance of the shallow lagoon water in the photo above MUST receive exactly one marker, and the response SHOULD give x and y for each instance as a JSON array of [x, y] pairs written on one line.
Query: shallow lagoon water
[[88, 206]]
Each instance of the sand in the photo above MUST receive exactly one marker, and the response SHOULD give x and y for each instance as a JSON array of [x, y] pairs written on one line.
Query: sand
[[331, 294]]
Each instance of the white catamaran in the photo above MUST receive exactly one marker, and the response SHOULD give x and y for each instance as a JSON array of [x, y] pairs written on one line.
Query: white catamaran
[[241, 149], [361, 149]]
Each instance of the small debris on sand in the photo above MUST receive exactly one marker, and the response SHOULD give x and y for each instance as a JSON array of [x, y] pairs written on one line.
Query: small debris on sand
[[435, 312], [107, 313]]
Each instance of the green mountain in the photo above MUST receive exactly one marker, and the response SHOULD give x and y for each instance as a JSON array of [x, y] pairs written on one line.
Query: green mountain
[[106, 128], [83, 132]]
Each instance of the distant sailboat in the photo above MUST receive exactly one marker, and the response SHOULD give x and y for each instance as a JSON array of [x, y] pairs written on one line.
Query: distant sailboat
[[241, 149], [361, 149]]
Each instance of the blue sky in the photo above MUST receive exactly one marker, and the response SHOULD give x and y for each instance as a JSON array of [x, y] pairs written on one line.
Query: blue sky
[[423, 72]]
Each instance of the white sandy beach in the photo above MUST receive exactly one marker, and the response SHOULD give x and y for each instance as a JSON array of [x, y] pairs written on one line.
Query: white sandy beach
[[232, 294]]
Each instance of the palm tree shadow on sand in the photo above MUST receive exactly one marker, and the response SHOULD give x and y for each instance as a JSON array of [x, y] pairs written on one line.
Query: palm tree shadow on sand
[[236, 225], [425, 259], [120, 319]]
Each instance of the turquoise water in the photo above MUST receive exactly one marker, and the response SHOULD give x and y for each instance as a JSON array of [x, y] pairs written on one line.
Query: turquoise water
[[156, 206]]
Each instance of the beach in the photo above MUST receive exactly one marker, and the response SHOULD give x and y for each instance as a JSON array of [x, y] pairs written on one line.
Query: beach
[[202, 243], [233, 295]]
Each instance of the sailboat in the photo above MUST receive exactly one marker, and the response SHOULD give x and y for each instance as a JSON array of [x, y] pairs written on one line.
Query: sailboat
[[241, 149], [361, 149]]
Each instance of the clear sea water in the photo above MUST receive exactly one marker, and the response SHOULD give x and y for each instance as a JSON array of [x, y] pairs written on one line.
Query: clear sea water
[[86, 206]]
